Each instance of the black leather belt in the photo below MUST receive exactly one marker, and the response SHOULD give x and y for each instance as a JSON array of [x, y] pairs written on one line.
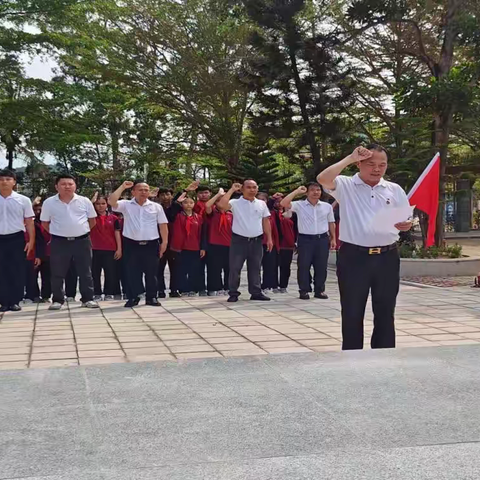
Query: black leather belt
[[140, 242], [71, 239], [320, 235], [372, 250], [12, 235], [249, 239]]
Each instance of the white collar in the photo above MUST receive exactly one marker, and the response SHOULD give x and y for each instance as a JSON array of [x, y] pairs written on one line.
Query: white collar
[[57, 197], [358, 181], [147, 202], [249, 201], [311, 204], [12, 195]]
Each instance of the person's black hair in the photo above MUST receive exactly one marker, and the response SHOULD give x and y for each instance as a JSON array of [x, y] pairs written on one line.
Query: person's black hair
[[204, 188], [67, 176], [138, 181], [263, 193], [100, 197], [8, 173], [377, 148], [313, 184], [164, 190]]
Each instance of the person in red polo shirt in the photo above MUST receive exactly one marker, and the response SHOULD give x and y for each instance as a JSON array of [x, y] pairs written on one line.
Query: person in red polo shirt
[[43, 239], [188, 238], [218, 249], [106, 248], [270, 259], [288, 233], [203, 196]]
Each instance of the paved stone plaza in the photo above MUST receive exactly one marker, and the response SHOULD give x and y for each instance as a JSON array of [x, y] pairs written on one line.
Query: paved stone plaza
[[161, 410], [405, 414], [204, 327]]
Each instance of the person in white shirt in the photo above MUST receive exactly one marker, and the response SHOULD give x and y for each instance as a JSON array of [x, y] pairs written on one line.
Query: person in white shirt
[[316, 235], [368, 259], [143, 220], [69, 218], [250, 223], [16, 217]]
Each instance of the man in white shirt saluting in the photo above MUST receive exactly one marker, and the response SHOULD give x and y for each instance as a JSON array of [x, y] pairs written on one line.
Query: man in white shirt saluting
[[368, 259], [250, 223], [316, 235], [69, 218], [144, 223], [16, 215]]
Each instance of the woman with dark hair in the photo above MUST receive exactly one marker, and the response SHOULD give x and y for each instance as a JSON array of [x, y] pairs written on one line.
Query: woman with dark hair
[[107, 249]]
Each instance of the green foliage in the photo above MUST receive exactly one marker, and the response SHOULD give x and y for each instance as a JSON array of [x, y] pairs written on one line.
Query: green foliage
[[219, 90], [434, 252]]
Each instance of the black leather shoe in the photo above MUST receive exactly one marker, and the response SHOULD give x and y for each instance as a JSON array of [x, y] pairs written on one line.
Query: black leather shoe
[[132, 303], [4, 308], [162, 295], [153, 302], [304, 296], [232, 299], [174, 295], [322, 296], [260, 297], [15, 308]]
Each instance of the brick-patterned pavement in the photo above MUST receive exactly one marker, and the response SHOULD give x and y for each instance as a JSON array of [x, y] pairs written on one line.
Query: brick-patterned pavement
[[201, 327]]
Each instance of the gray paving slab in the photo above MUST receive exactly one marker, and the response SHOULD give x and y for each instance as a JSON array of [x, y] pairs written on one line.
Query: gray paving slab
[[397, 414]]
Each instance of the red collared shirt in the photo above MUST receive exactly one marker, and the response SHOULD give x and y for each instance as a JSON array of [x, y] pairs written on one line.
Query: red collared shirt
[[220, 228], [287, 227], [187, 233], [200, 208], [273, 225], [103, 234]]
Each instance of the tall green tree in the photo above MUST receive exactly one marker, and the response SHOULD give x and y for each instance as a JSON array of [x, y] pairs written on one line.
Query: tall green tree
[[296, 74], [444, 41]]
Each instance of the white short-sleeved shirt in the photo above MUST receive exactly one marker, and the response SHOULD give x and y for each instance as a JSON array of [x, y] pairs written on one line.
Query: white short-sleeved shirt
[[359, 203], [313, 219], [141, 221], [248, 217], [68, 219], [14, 209]]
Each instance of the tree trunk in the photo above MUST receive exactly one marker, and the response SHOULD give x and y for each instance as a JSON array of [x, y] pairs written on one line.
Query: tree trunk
[[191, 153], [10, 152], [116, 165], [442, 137], [302, 98]]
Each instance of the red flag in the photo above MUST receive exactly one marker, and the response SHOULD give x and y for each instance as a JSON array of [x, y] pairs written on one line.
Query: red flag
[[425, 193]]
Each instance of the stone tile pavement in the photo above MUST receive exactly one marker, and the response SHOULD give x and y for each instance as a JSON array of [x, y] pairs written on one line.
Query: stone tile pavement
[[204, 327]]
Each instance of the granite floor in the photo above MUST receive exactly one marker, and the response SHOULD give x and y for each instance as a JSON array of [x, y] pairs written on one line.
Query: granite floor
[[209, 327], [405, 414]]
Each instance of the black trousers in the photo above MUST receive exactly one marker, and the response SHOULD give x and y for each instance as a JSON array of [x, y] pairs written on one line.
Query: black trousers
[[45, 274], [12, 268], [122, 273], [62, 253], [218, 263], [251, 250], [71, 281], [141, 258], [103, 260], [358, 274], [31, 281], [313, 250], [270, 268], [201, 279], [285, 258], [190, 271], [171, 258]]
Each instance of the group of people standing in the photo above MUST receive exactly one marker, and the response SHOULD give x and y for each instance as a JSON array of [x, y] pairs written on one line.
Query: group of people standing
[[132, 240]]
